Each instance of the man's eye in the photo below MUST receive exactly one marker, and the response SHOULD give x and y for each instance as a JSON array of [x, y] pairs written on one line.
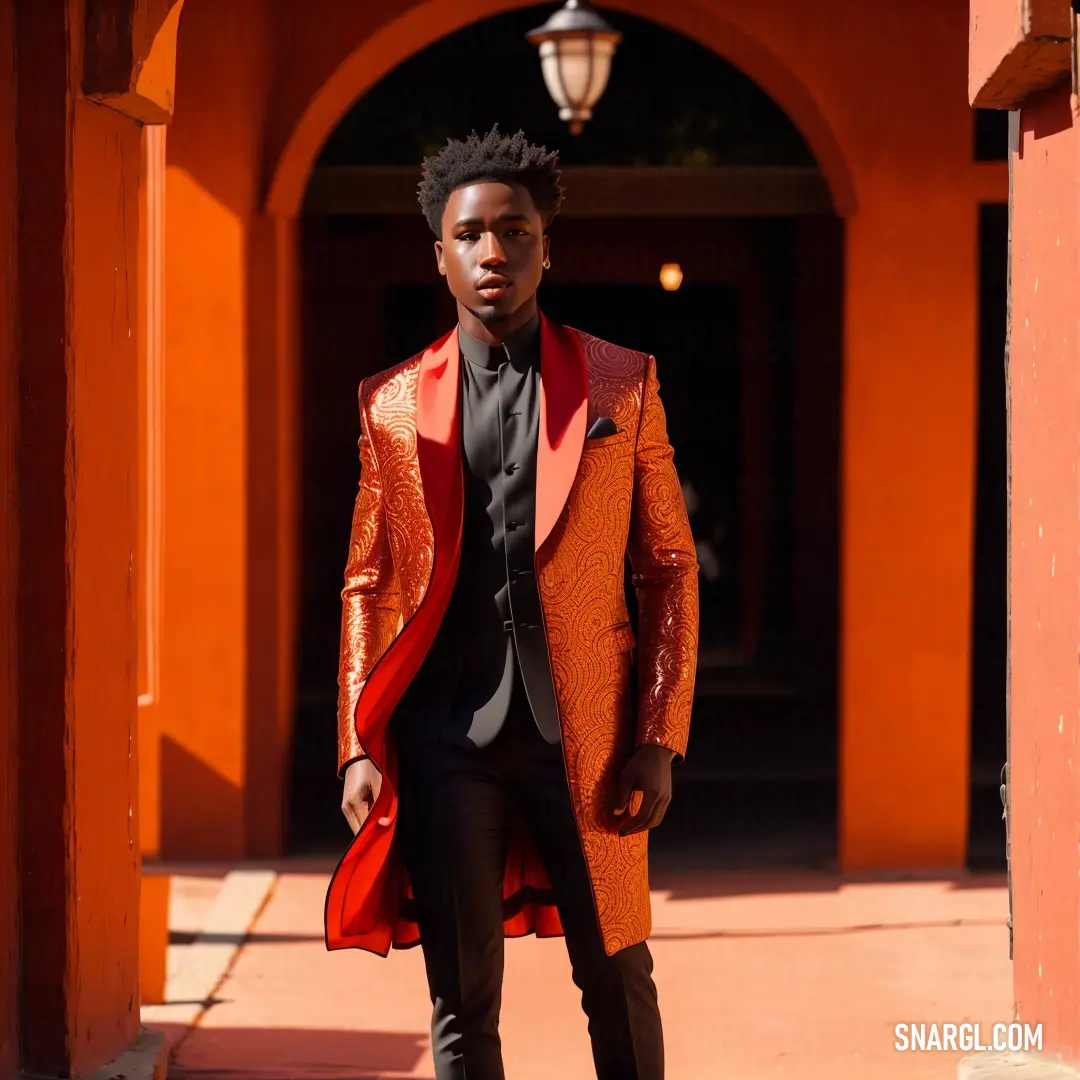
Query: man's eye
[[469, 236]]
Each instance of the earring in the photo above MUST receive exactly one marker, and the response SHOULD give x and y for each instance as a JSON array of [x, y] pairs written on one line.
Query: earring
[[547, 264]]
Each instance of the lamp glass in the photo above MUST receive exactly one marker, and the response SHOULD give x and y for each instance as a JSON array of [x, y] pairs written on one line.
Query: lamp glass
[[671, 276], [576, 70]]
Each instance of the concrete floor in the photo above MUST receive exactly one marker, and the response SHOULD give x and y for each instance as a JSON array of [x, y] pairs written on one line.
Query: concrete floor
[[793, 975]]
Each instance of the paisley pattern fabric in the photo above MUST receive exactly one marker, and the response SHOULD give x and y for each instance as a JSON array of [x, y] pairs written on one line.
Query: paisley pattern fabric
[[391, 547], [625, 499]]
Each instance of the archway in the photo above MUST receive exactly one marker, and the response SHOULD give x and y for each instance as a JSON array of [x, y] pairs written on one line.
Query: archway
[[256, 114], [758, 321], [426, 23]]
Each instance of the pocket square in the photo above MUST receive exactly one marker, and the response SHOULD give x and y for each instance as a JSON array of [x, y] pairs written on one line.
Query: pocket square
[[602, 427]]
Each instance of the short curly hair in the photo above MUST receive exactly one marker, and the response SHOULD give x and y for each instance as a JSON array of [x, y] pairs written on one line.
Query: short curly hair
[[492, 157]]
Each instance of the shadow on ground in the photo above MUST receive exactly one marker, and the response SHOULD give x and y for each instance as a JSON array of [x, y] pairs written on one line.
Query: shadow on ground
[[684, 873], [681, 880], [282, 1053]]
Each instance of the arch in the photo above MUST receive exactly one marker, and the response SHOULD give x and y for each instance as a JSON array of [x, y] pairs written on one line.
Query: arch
[[421, 26]]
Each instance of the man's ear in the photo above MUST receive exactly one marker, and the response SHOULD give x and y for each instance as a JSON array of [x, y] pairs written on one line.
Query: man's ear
[[439, 260], [547, 247]]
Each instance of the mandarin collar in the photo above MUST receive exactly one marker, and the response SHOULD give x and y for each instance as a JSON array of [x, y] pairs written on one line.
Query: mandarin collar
[[519, 348]]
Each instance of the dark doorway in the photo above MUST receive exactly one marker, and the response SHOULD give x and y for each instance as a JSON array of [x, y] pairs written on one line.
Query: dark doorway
[[748, 359], [989, 623], [748, 353], [693, 334]]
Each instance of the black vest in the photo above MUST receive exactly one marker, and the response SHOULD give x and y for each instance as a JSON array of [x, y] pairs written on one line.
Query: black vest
[[490, 654]]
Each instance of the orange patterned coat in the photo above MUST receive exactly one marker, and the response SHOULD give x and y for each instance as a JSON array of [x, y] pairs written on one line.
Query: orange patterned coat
[[596, 502]]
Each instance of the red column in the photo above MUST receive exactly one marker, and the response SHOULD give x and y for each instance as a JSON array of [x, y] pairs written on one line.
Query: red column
[[79, 167], [1044, 571]]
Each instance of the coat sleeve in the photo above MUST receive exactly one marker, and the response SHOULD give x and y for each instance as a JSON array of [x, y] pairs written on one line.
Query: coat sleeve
[[664, 563], [371, 599]]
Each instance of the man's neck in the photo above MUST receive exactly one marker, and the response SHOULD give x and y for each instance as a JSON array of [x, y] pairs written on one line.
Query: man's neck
[[495, 334]]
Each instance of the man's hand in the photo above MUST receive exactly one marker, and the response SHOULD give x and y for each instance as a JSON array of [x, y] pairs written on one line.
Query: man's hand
[[363, 782], [649, 772]]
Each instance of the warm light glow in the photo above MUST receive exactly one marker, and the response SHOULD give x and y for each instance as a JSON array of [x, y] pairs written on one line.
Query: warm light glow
[[576, 73], [576, 46], [671, 276]]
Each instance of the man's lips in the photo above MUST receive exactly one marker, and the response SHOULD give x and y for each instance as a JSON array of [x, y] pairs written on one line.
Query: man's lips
[[492, 286]]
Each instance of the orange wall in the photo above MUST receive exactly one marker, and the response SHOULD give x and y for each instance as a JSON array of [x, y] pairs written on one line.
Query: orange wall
[[214, 366], [910, 378], [105, 883], [9, 957], [879, 91], [78, 870], [1045, 567]]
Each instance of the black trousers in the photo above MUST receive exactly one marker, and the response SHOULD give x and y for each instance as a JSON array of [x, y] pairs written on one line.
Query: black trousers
[[454, 807]]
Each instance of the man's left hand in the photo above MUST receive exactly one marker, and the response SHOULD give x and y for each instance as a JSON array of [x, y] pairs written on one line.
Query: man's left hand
[[649, 772]]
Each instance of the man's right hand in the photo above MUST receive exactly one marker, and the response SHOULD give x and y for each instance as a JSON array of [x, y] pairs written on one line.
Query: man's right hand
[[363, 782]]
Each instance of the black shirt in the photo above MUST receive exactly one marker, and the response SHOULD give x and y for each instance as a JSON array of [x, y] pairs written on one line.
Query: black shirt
[[472, 675]]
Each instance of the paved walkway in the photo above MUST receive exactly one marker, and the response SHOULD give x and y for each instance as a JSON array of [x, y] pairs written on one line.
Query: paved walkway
[[801, 977]]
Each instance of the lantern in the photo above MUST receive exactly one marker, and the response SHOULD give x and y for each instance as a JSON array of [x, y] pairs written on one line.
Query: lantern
[[671, 276], [576, 47]]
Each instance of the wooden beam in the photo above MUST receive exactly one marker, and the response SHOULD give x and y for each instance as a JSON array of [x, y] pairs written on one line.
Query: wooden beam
[[598, 191], [1017, 48]]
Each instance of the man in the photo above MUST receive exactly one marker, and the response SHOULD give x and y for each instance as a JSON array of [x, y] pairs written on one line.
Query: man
[[502, 764]]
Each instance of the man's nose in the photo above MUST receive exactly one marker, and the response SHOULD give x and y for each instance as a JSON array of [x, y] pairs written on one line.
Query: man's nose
[[491, 251]]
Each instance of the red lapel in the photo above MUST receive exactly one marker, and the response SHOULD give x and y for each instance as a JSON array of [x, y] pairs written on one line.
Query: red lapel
[[438, 441], [564, 407], [438, 449]]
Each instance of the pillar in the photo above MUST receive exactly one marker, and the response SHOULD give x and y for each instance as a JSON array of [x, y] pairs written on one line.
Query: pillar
[[222, 722], [908, 474], [69, 272], [1044, 569], [79, 868], [231, 417], [1021, 58], [274, 409]]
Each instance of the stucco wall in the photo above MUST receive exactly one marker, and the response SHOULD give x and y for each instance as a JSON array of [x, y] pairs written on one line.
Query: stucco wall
[[218, 306], [78, 867], [1044, 565]]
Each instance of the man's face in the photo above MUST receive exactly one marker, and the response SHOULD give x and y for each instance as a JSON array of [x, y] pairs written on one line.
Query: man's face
[[492, 253]]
